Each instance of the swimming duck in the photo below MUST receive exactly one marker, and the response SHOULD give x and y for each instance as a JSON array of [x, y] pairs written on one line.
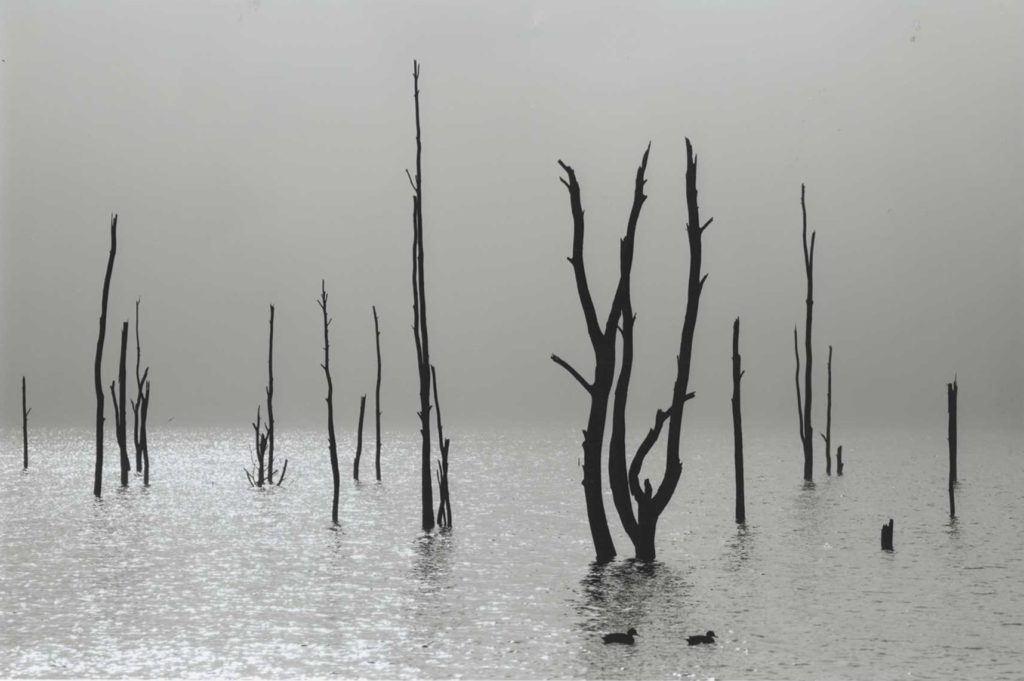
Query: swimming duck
[[621, 638], [698, 639]]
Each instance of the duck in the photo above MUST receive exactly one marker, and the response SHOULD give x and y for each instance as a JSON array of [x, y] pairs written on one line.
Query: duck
[[621, 638], [699, 639]]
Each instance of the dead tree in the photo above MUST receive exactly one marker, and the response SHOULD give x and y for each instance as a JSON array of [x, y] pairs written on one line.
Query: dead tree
[[140, 381], [97, 374], [359, 439], [887, 531], [419, 308], [603, 342], [331, 441], [142, 436], [737, 423], [951, 391], [444, 504], [270, 402], [642, 528], [376, 329], [120, 409], [839, 460], [24, 420], [804, 408], [827, 435]]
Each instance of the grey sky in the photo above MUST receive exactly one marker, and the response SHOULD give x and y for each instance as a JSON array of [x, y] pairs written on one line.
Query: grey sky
[[252, 149]]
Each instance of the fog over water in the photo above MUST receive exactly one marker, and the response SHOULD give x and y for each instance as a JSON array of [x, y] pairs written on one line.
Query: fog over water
[[253, 148]]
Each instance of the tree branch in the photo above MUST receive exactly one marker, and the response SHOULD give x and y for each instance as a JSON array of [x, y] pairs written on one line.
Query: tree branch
[[575, 374]]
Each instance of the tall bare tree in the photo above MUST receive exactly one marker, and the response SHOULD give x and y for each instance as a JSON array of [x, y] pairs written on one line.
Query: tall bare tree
[[737, 423], [951, 395], [804, 407], [25, 409], [642, 527], [270, 402], [359, 439], [140, 381], [420, 315], [97, 366], [827, 435], [603, 342], [119, 408], [331, 441], [444, 504], [376, 329], [143, 441]]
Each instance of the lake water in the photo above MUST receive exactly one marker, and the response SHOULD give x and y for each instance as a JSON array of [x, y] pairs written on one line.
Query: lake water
[[202, 576]]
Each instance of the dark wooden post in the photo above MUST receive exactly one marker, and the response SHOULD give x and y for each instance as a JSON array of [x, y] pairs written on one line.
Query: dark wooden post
[[839, 460], [737, 423], [420, 317], [359, 439], [270, 403], [887, 531], [376, 329], [804, 408], [24, 420], [97, 373], [827, 435], [120, 408], [331, 442], [951, 391]]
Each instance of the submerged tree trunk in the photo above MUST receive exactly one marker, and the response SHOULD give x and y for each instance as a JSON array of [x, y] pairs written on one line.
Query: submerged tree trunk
[[827, 435], [444, 504], [142, 436], [376, 330], [420, 317], [806, 430], [140, 381], [119, 408], [270, 403], [737, 423], [24, 420], [839, 460], [359, 439], [951, 391], [97, 374], [887, 531], [331, 442]]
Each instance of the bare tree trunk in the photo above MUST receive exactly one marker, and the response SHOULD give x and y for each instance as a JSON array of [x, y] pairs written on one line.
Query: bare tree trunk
[[331, 441], [444, 505], [951, 392], [140, 381], [827, 435], [119, 408], [270, 402], [376, 329], [887, 532], [737, 423], [359, 439], [420, 312], [603, 342], [806, 430], [97, 375], [142, 436], [24, 420], [839, 460]]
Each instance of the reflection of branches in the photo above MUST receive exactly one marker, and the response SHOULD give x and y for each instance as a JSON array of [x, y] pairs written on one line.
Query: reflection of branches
[[433, 558], [619, 595]]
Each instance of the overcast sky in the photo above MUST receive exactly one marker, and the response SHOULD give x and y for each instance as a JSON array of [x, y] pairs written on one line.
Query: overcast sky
[[253, 148]]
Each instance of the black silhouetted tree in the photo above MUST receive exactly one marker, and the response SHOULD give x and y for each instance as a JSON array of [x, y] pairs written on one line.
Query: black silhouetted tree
[[603, 342], [804, 407], [120, 408], [827, 435], [839, 460], [139, 429], [419, 308], [737, 423], [376, 329], [642, 527], [97, 366], [331, 441], [25, 409], [143, 441], [359, 439], [444, 504], [270, 403], [257, 476], [951, 394]]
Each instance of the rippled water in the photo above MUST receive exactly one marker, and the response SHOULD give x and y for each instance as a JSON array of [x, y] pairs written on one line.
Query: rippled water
[[202, 576]]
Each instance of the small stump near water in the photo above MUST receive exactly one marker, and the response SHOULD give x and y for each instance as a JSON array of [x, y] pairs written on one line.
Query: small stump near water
[[887, 536]]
